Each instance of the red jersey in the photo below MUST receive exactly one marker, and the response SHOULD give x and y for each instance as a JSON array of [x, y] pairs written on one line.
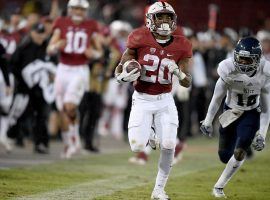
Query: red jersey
[[154, 59], [77, 37]]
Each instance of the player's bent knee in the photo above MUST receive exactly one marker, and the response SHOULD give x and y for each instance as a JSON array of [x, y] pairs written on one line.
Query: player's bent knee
[[224, 156], [239, 154], [168, 144], [137, 142], [70, 110], [136, 148]]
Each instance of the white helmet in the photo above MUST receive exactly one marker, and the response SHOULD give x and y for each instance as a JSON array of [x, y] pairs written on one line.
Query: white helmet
[[156, 25], [79, 17], [78, 3], [117, 26]]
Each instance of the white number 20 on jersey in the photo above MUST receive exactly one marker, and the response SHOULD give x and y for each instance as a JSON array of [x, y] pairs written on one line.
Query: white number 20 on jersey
[[76, 42], [163, 76]]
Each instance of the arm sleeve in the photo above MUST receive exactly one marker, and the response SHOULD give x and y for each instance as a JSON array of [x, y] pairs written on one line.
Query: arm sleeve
[[56, 23], [188, 50], [219, 94], [265, 107], [96, 27], [184, 48]]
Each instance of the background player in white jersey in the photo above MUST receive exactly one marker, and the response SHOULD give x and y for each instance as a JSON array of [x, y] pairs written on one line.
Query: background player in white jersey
[[245, 81], [75, 38], [160, 54]]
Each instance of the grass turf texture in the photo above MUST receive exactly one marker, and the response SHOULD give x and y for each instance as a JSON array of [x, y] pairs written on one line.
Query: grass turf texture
[[111, 177]]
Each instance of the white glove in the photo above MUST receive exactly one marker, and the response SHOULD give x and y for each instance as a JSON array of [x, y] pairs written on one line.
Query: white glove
[[125, 76], [258, 142], [174, 68], [206, 128]]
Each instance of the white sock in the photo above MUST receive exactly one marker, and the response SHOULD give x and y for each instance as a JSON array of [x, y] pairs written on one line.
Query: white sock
[[74, 134], [65, 137], [232, 166], [165, 165]]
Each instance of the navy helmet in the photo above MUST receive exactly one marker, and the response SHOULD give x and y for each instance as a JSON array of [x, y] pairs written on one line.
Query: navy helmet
[[247, 55]]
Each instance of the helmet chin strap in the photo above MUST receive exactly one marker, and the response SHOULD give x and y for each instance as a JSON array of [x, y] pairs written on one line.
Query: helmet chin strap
[[164, 29]]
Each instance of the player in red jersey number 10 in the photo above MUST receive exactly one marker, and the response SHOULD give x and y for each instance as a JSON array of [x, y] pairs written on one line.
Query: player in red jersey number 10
[[75, 39]]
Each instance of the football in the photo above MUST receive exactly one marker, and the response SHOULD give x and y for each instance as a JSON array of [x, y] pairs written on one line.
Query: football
[[132, 64]]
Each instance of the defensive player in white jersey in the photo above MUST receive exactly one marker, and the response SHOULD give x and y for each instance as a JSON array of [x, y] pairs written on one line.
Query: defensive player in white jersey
[[245, 81], [160, 54]]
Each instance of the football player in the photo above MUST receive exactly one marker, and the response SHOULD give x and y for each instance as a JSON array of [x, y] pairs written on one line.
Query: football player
[[244, 80], [160, 55], [75, 38]]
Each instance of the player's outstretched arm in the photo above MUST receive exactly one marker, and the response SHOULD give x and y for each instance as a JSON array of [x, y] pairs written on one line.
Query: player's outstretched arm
[[259, 140], [219, 94]]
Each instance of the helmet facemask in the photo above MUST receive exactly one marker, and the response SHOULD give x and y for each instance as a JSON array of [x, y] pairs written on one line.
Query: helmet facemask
[[77, 13], [246, 63], [162, 22], [77, 9]]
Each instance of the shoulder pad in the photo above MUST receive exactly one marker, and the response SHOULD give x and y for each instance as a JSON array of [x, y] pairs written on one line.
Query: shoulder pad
[[183, 46], [225, 68], [135, 38]]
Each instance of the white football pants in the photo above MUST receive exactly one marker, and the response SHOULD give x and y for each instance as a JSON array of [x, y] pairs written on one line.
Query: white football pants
[[159, 110]]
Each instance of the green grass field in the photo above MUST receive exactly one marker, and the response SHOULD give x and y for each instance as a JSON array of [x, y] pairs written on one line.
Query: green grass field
[[111, 177]]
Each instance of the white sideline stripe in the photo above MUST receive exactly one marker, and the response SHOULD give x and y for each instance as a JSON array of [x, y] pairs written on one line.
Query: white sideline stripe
[[98, 188]]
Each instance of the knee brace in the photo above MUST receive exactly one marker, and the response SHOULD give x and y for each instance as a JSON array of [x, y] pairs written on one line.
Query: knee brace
[[224, 156]]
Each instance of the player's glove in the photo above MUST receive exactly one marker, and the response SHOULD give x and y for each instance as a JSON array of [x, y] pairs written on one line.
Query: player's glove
[[206, 128], [174, 68], [125, 76], [258, 142]]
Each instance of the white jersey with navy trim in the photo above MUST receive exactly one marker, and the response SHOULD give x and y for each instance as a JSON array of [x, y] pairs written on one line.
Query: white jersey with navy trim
[[243, 92]]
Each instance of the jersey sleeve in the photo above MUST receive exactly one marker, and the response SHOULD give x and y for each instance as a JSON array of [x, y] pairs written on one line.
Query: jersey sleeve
[[183, 47], [134, 40], [188, 50], [266, 68], [57, 23], [95, 26], [223, 71], [265, 109]]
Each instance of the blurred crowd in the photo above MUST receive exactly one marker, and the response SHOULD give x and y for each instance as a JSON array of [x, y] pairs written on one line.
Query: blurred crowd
[[27, 102]]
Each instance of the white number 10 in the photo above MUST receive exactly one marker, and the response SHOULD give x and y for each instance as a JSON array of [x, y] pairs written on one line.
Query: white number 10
[[76, 42]]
